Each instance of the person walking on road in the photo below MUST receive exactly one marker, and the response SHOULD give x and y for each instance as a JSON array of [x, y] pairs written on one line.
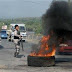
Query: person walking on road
[[17, 37]]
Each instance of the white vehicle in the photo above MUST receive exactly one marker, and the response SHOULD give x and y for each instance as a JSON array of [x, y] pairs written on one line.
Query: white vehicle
[[22, 29]]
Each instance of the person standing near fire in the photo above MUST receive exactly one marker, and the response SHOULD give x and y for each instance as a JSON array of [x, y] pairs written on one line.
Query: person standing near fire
[[17, 37]]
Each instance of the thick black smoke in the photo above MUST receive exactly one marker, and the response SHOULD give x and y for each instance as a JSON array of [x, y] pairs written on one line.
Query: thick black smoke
[[57, 22], [58, 18]]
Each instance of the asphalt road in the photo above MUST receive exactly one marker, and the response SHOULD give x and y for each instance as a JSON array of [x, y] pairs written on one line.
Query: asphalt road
[[8, 63]]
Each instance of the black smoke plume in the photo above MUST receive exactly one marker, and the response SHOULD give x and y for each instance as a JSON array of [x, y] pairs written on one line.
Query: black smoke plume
[[58, 18], [57, 22]]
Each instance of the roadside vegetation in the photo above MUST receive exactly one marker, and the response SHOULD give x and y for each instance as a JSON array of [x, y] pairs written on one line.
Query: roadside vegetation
[[32, 23]]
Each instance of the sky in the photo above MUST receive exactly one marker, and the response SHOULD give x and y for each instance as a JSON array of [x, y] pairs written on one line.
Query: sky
[[23, 8]]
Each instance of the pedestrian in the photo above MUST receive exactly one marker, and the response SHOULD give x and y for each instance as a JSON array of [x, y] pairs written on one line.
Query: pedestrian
[[17, 37]]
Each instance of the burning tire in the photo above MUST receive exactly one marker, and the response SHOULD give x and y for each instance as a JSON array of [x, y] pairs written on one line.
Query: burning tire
[[41, 61]]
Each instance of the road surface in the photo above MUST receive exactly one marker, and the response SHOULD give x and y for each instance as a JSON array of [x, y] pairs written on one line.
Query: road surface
[[8, 63]]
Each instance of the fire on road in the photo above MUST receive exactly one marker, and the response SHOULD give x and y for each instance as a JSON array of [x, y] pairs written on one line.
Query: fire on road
[[8, 62]]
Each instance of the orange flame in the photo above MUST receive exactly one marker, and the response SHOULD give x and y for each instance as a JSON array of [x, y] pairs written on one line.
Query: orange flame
[[45, 48]]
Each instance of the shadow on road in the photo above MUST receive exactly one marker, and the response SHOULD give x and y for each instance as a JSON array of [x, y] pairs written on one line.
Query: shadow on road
[[1, 47], [9, 48], [63, 60], [65, 63], [20, 56]]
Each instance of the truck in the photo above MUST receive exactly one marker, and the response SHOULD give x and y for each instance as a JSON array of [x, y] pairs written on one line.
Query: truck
[[22, 29]]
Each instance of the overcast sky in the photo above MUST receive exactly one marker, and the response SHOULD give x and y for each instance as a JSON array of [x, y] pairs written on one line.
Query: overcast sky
[[23, 8]]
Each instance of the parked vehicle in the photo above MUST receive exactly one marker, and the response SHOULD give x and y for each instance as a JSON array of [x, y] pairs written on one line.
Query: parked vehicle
[[4, 34], [65, 48]]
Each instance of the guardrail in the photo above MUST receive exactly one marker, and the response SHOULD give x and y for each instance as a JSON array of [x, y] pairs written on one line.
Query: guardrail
[[34, 37]]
